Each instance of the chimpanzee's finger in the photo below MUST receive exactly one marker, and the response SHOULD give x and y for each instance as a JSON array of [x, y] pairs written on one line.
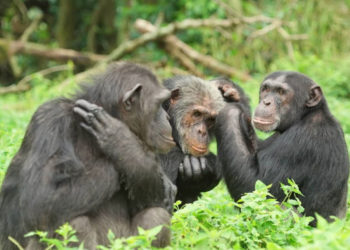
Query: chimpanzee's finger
[[187, 167], [204, 166], [83, 114], [102, 116], [89, 118], [196, 169], [88, 129], [228, 93], [85, 105], [221, 89]]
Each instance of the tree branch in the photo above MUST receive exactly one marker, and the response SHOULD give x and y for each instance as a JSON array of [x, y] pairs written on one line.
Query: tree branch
[[34, 49], [173, 42]]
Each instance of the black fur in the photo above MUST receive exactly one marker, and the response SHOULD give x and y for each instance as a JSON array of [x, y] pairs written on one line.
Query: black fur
[[308, 147], [60, 174]]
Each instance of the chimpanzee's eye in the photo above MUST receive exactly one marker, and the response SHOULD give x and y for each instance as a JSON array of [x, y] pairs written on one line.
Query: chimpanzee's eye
[[197, 114], [265, 88], [280, 91]]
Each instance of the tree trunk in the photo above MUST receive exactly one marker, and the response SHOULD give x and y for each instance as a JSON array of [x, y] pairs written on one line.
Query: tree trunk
[[102, 27], [66, 23]]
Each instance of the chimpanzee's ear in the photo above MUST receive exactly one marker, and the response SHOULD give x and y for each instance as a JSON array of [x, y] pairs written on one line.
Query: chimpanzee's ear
[[175, 95], [315, 96], [131, 96]]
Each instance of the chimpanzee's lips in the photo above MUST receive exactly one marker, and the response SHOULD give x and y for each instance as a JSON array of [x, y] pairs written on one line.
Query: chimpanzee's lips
[[263, 121], [199, 149], [168, 139]]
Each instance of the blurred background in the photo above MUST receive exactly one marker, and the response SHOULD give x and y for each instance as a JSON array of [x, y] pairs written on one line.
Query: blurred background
[[44, 44]]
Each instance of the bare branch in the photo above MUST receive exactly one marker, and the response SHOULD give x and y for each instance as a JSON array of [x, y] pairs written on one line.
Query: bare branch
[[34, 49], [184, 59], [31, 28], [208, 61], [274, 25]]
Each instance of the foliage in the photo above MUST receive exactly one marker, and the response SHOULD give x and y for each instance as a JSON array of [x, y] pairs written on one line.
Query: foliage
[[332, 74], [256, 221], [66, 236], [141, 241], [253, 222]]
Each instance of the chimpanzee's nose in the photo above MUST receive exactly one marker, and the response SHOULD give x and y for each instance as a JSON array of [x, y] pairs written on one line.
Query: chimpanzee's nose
[[202, 131], [267, 102]]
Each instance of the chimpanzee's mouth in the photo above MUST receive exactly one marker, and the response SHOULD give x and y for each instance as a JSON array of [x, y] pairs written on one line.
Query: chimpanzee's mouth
[[263, 121], [168, 139], [199, 149]]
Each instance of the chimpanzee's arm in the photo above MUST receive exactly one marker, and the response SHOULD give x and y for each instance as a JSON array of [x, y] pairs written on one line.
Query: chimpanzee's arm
[[171, 162], [47, 177], [142, 173], [236, 141]]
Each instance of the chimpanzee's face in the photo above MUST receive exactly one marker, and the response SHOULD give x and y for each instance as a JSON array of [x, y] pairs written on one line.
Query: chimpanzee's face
[[285, 97], [275, 104], [142, 111], [158, 130], [196, 124]]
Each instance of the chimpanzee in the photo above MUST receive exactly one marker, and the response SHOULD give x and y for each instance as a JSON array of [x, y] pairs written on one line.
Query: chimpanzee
[[91, 161], [192, 108], [308, 145]]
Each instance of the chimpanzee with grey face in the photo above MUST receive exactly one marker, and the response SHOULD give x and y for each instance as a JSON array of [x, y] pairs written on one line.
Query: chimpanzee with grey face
[[308, 145], [91, 160], [193, 107]]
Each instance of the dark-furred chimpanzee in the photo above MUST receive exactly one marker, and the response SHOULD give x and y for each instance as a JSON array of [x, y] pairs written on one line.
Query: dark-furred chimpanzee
[[193, 107], [91, 161], [308, 145]]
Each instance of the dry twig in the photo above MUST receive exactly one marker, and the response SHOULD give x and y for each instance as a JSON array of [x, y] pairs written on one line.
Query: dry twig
[[34, 49]]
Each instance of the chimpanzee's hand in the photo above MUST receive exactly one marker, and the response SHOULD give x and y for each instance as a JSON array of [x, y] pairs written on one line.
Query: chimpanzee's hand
[[194, 169], [99, 123], [229, 92], [170, 193]]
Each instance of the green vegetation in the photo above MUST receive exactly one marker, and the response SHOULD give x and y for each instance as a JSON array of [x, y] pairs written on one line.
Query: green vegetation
[[214, 221]]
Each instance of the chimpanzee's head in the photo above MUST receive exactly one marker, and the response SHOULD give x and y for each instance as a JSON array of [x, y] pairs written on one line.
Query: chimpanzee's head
[[133, 94], [285, 97], [193, 107]]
